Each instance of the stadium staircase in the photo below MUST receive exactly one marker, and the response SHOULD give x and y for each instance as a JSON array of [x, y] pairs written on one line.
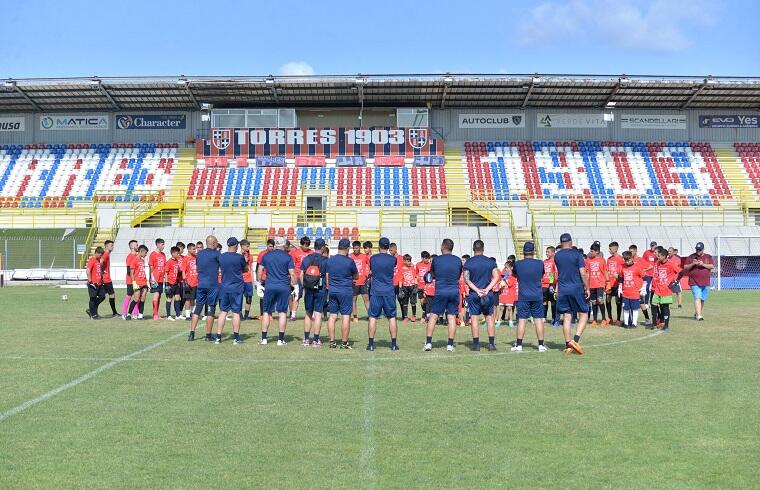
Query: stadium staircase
[[95, 238], [734, 171], [167, 212], [463, 210]]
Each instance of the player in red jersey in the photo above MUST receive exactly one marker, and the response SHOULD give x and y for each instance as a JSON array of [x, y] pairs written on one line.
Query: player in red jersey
[[507, 295], [664, 280], [614, 265], [130, 292], [631, 280], [361, 286], [596, 267], [647, 268], [245, 250], [298, 254], [423, 289], [105, 264], [548, 285], [393, 250], [189, 283], [173, 276], [261, 281], [139, 282], [157, 268], [181, 259], [407, 293], [95, 284], [651, 257], [677, 261], [464, 291]]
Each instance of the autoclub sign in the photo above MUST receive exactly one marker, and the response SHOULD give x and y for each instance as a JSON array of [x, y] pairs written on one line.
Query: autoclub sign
[[151, 121], [491, 121], [81, 122], [730, 121]]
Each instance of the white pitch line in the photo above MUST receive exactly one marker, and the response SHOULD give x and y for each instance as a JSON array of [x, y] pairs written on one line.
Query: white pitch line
[[85, 377], [393, 358], [367, 455]]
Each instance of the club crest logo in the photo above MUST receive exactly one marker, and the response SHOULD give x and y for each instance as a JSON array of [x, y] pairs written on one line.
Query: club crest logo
[[418, 137], [516, 120], [221, 138]]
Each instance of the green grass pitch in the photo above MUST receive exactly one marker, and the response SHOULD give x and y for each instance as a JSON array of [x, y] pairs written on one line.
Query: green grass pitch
[[676, 410]]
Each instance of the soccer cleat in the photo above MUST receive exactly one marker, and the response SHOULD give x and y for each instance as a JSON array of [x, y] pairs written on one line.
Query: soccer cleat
[[618, 323], [126, 317], [95, 317], [333, 344], [542, 348], [346, 346], [292, 318], [555, 324], [593, 323], [475, 347], [449, 348], [427, 347], [605, 323], [204, 318], [568, 351], [406, 319], [700, 318], [394, 347], [170, 318], [355, 319], [237, 341], [140, 317], [218, 340], [512, 324], [414, 319], [191, 336], [371, 347], [649, 325], [576, 347], [88, 313], [516, 348], [263, 342], [491, 348], [680, 306], [281, 343], [316, 343], [208, 339], [181, 317], [306, 342], [156, 318]]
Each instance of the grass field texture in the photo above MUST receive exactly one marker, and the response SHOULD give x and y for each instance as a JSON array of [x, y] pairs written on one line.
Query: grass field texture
[[112, 404]]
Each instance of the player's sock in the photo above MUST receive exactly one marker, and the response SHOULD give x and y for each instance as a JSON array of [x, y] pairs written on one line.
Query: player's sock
[[655, 313], [247, 314], [236, 335], [577, 338], [596, 310], [371, 341], [155, 307], [428, 340], [518, 342], [306, 335], [627, 318], [168, 308], [646, 314], [264, 335], [132, 304], [316, 337], [404, 311], [475, 341], [635, 316], [540, 341], [608, 305], [619, 308], [665, 311], [491, 340], [112, 302], [393, 341], [219, 336], [450, 342], [280, 335], [141, 307], [178, 309], [125, 305], [414, 309], [601, 311]]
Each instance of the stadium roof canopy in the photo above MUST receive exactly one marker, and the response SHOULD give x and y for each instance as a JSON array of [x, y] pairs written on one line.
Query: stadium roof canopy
[[433, 90]]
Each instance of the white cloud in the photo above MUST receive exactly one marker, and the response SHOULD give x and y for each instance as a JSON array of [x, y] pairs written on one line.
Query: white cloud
[[658, 25], [296, 69]]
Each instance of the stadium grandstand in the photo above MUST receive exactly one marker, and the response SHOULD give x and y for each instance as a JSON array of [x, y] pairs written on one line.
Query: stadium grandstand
[[506, 158]]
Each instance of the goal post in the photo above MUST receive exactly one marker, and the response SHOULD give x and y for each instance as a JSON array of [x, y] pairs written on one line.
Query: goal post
[[737, 262]]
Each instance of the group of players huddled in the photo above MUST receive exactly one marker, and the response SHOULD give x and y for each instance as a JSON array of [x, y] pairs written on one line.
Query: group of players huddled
[[567, 284]]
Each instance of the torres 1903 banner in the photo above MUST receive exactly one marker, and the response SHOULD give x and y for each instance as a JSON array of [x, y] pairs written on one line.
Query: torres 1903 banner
[[327, 142]]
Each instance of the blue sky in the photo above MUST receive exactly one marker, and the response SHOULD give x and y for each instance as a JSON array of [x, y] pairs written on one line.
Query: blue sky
[[167, 37]]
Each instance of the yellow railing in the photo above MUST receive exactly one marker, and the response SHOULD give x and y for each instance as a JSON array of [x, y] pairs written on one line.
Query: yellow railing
[[630, 216], [87, 246]]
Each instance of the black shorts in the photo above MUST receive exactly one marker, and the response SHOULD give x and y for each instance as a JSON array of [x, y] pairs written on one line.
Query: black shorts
[[108, 288], [131, 290], [363, 289], [95, 291], [188, 293], [172, 290], [159, 288], [408, 293], [420, 294], [613, 293], [548, 296], [596, 294]]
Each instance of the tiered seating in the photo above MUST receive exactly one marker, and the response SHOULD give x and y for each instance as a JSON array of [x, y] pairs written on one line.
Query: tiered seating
[[328, 232], [354, 186], [749, 153], [42, 176], [593, 173], [279, 187], [392, 186], [428, 183]]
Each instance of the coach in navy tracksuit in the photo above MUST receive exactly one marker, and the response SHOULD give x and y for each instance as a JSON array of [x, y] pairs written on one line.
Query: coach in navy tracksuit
[[341, 274], [281, 276], [207, 264], [382, 296], [445, 270], [233, 265]]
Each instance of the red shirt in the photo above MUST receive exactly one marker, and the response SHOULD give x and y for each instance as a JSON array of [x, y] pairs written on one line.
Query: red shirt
[[408, 275], [96, 272], [662, 276], [172, 271], [550, 273], [399, 265], [138, 274], [190, 270], [362, 265], [248, 276], [258, 263], [105, 265], [422, 269], [508, 294], [157, 263], [298, 256], [698, 275], [596, 269], [633, 278], [651, 258], [615, 264], [130, 266]]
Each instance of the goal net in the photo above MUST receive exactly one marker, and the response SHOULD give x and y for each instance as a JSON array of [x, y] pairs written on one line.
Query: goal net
[[737, 265]]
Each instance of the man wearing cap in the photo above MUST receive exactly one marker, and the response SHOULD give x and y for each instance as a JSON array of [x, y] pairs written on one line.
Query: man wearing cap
[[481, 275], [382, 298], [529, 273], [572, 292], [207, 269], [341, 274], [445, 270], [233, 265], [699, 267], [298, 254], [314, 292], [281, 277]]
